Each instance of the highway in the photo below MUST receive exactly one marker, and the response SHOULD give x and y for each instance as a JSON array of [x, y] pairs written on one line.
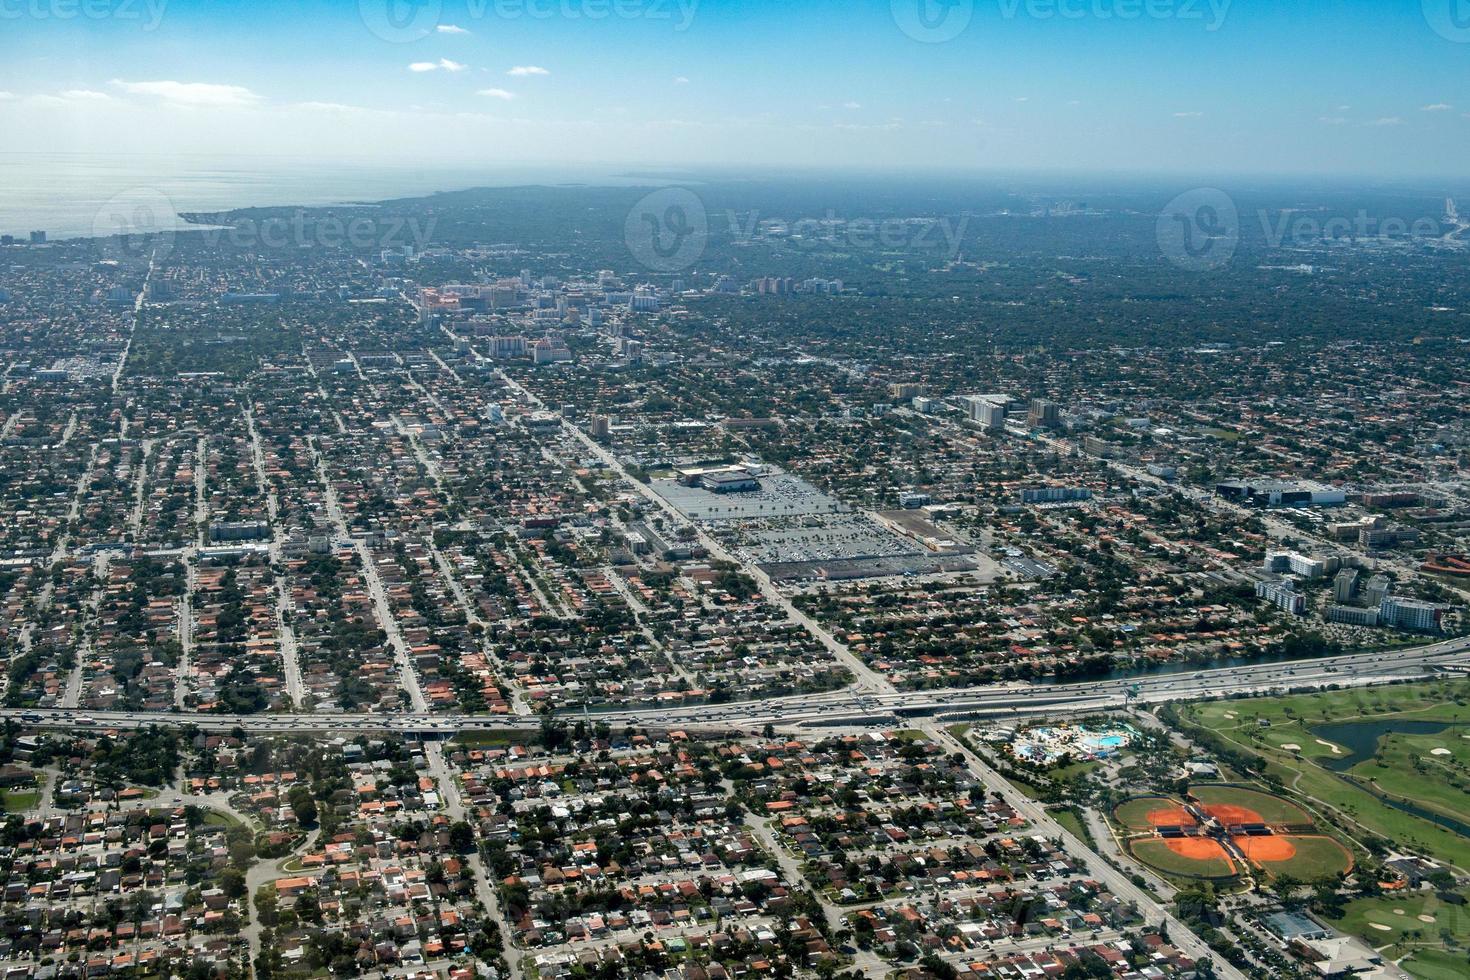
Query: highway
[[852, 707]]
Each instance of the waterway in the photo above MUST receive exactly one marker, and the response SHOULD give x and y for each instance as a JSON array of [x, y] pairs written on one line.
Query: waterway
[[1360, 738]]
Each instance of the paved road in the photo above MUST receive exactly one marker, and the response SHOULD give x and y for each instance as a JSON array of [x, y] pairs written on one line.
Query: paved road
[[1117, 881], [867, 678], [836, 708]]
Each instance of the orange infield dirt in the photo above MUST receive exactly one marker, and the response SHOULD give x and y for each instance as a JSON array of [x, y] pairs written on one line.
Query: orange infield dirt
[[1265, 848], [1197, 848], [1170, 816], [1229, 813]]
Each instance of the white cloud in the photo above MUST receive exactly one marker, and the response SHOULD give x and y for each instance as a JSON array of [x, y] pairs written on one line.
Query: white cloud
[[1437, 107], [681, 80], [450, 29], [496, 93], [1334, 120], [852, 105], [443, 64], [524, 71], [85, 95], [1387, 121], [1188, 115], [7, 96], [1023, 98], [327, 107], [191, 93]]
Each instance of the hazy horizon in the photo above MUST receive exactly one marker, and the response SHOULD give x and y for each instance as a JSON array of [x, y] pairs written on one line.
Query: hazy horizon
[[1315, 89]]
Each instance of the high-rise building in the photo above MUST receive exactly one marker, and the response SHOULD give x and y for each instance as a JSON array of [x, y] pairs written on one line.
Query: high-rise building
[[1283, 595], [601, 427], [989, 411], [1044, 414], [1345, 586], [1410, 614]]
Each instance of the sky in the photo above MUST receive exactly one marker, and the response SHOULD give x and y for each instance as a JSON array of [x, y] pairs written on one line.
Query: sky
[[1377, 88]]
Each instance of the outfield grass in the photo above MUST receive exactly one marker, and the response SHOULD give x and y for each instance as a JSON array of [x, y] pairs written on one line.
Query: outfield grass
[[1300, 769], [1273, 809], [1315, 858], [1133, 814]]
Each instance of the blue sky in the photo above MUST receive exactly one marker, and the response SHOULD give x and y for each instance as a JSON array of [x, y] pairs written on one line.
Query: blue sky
[[1359, 87]]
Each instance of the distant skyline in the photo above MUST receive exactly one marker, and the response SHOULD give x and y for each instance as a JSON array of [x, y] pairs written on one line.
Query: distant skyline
[[1330, 87]]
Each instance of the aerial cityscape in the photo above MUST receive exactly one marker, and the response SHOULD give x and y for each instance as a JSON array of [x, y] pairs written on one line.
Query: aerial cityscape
[[692, 542]]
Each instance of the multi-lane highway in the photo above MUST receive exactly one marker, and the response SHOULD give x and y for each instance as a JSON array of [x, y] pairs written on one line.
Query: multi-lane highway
[[850, 706]]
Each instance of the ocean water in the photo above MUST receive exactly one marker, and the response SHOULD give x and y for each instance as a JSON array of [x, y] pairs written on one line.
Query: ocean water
[[77, 196]]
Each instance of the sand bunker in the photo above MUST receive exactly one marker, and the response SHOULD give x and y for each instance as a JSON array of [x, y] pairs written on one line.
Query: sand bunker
[[1440, 751], [1426, 918], [1335, 749], [1380, 927], [1292, 747]]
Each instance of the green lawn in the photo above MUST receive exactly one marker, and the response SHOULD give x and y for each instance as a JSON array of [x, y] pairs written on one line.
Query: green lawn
[[1437, 964], [218, 818], [490, 739], [1416, 767], [1300, 770], [1069, 819], [20, 800], [1392, 924]]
